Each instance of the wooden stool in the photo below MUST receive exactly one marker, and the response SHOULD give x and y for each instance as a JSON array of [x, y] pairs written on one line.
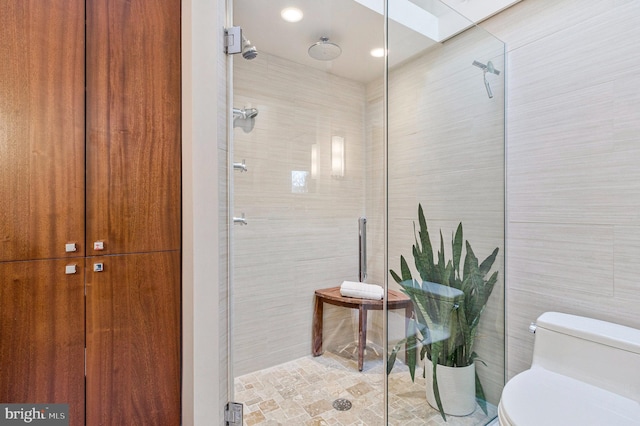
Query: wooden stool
[[332, 296]]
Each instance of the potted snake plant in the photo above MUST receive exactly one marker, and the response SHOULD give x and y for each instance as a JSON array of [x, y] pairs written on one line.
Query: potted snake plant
[[447, 306]]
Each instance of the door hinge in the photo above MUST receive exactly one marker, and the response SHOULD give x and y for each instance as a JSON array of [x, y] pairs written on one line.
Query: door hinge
[[232, 40], [233, 414]]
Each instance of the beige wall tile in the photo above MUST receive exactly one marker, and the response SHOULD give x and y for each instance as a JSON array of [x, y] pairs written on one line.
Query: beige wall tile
[[561, 259], [572, 175], [446, 151], [295, 242], [626, 284]]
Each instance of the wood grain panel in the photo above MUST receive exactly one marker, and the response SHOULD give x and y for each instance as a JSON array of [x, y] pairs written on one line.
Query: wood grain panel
[[133, 125], [42, 335], [41, 128], [133, 340]]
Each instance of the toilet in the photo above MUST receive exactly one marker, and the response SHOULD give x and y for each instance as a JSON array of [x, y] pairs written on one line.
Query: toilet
[[584, 372]]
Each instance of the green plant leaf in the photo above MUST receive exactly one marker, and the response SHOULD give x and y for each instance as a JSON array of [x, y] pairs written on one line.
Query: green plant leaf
[[470, 261], [395, 276], [412, 345], [392, 356], [448, 275], [424, 235], [456, 245], [420, 303], [422, 250], [436, 391], [435, 313], [422, 264], [486, 264], [404, 270], [441, 263]]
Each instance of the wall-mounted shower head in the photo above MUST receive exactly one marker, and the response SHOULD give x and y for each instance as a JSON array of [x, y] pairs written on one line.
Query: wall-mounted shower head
[[249, 51]]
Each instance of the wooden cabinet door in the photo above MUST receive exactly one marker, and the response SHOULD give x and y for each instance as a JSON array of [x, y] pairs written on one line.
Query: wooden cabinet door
[[41, 128], [42, 334], [133, 340], [133, 125]]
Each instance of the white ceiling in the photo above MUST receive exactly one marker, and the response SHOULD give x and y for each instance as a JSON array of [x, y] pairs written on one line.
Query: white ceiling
[[356, 26]]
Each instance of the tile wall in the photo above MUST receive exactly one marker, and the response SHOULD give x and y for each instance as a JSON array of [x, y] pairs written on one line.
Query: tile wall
[[573, 180], [302, 234], [446, 152]]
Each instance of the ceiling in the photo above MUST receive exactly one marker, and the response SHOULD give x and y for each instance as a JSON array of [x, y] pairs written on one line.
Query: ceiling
[[357, 26]]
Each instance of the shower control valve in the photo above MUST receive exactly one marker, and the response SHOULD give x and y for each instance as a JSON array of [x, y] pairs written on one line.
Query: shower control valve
[[240, 166], [240, 220]]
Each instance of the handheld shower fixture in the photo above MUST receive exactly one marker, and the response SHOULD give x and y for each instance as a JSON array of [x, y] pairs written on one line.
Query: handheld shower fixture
[[244, 113], [485, 69], [244, 118]]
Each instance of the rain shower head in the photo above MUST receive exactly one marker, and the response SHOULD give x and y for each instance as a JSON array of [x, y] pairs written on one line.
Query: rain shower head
[[324, 50]]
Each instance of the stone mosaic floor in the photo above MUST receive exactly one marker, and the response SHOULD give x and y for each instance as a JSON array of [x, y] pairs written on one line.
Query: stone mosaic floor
[[301, 393]]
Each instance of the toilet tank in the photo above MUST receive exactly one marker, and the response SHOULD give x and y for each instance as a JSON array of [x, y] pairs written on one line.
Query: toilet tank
[[600, 353]]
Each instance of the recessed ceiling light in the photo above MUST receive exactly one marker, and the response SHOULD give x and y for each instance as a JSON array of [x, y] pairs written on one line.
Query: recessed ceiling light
[[378, 52], [291, 14]]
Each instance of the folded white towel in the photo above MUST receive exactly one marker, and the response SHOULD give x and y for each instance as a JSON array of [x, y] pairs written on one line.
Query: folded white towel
[[361, 290]]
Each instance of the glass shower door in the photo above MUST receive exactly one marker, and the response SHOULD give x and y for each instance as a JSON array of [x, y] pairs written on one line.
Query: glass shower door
[[319, 139], [446, 220], [299, 168]]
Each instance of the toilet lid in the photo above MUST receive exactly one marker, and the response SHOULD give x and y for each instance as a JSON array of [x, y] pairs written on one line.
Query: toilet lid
[[540, 397]]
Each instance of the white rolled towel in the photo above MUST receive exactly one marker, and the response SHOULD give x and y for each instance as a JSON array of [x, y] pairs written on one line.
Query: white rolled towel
[[361, 290]]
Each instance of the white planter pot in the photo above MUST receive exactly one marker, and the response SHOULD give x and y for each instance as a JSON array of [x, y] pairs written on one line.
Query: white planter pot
[[457, 386]]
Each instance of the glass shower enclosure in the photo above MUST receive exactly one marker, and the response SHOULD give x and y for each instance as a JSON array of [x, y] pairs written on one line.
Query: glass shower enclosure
[[358, 111]]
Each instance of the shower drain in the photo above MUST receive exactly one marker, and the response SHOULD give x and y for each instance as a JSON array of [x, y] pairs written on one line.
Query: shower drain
[[342, 404]]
